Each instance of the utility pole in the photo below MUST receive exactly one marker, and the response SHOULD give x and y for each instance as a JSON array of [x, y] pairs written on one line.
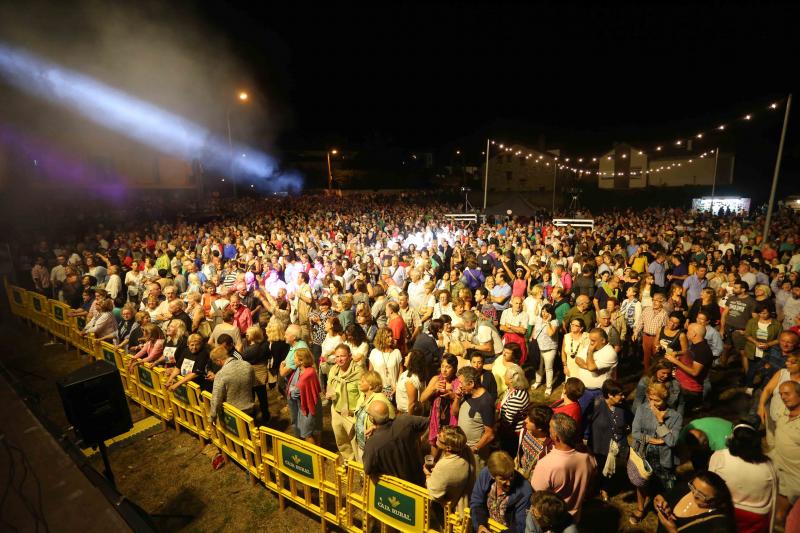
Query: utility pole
[[486, 176], [777, 170]]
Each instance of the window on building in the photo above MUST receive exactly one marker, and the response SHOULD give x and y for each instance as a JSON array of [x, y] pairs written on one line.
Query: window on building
[[509, 175], [522, 161], [508, 158]]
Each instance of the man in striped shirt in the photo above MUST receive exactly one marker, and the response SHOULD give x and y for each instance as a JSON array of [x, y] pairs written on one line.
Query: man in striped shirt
[[649, 325]]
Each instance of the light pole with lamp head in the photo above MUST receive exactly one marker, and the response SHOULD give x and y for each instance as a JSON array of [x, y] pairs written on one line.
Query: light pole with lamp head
[[330, 170], [242, 97]]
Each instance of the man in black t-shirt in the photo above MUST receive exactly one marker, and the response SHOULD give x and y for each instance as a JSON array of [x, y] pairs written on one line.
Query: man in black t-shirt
[[486, 262]]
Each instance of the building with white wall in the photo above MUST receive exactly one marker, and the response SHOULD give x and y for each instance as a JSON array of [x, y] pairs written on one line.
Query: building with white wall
[[628, 167]]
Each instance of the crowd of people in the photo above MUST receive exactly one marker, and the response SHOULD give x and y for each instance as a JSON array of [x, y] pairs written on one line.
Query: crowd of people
[[511, 367]]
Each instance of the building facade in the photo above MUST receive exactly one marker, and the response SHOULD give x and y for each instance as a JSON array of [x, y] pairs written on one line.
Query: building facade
[[517, 168], [628, 167]]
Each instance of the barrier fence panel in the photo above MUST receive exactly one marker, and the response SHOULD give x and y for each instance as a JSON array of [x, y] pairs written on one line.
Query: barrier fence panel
[[59, 320], [399, 504], [466, 523], [18, 300], [354, 516], [235, 434], [38, 310], [81, 343], [302, 465], [187, 408], [151, 394]]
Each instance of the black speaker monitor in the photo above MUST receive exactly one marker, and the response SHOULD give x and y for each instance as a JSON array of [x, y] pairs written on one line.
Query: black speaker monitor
[[95, 402]]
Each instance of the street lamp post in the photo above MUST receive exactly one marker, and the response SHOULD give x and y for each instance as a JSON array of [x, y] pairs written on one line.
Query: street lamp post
[[330, 170], [243, 97]]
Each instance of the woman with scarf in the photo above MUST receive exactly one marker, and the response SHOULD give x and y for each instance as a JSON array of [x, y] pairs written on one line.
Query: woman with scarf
[[608, 438], [303, 397]]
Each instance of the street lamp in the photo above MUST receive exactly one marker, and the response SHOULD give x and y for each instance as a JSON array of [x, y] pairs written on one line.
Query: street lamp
[[243, 97], [330, 172]]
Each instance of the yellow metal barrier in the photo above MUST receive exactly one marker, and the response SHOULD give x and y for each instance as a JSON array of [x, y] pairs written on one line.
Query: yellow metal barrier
[[18, 300], [466, 523], [354, 518], [289, 464], [187, 408], [82, 344], [105, 351], [399, 504], [59, 320], [339, 495], [235, 434], [150, 392], [39, 312]]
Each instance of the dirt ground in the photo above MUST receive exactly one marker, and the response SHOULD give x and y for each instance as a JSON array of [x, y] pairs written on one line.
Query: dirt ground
[[166, 473]]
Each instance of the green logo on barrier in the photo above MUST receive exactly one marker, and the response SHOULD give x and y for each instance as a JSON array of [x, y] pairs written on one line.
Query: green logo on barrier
[[37, 304], [145, 377], [181, 394], [395, 504], [59, 313], [81, 321], [230, 423], [297, 461], [108, 355], [18, 297]]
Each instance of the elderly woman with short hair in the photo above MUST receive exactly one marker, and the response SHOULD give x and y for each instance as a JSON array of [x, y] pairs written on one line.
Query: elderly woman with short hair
[[500, 493], [513, 408]]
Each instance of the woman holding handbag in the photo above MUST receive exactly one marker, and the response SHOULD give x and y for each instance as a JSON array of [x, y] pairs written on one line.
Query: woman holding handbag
[[655, 435]]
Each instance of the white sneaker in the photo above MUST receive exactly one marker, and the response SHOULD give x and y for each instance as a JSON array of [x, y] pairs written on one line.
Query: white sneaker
[[537, 384], [548, 391], [325, 402], [749, 391]]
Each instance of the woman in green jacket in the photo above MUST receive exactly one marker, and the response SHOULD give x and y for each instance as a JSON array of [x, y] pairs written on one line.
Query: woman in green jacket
[[761, 333]]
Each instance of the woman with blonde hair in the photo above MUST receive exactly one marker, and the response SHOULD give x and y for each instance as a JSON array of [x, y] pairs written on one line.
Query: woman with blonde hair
[[194, 308], [256, 353], [152, 348], [277, 348], [763, 296], [534, 301], [386, 360], [174, 343], [370, 386]]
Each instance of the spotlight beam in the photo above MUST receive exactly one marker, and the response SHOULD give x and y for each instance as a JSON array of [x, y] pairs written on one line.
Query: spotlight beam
[[133, 117]]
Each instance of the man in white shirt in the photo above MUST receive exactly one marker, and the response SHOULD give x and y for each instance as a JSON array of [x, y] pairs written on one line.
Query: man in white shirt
[[600, 364], [514, 325], [416, 290], [747, 275]]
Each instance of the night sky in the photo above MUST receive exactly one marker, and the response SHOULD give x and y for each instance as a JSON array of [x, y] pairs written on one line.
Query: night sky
[[429, 77], [437, 78]]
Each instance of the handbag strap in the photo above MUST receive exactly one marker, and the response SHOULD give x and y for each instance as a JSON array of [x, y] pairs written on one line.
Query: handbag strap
[[700, 520]]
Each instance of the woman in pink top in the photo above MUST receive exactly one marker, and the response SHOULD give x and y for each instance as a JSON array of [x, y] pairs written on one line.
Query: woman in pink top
[[153, 346]]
